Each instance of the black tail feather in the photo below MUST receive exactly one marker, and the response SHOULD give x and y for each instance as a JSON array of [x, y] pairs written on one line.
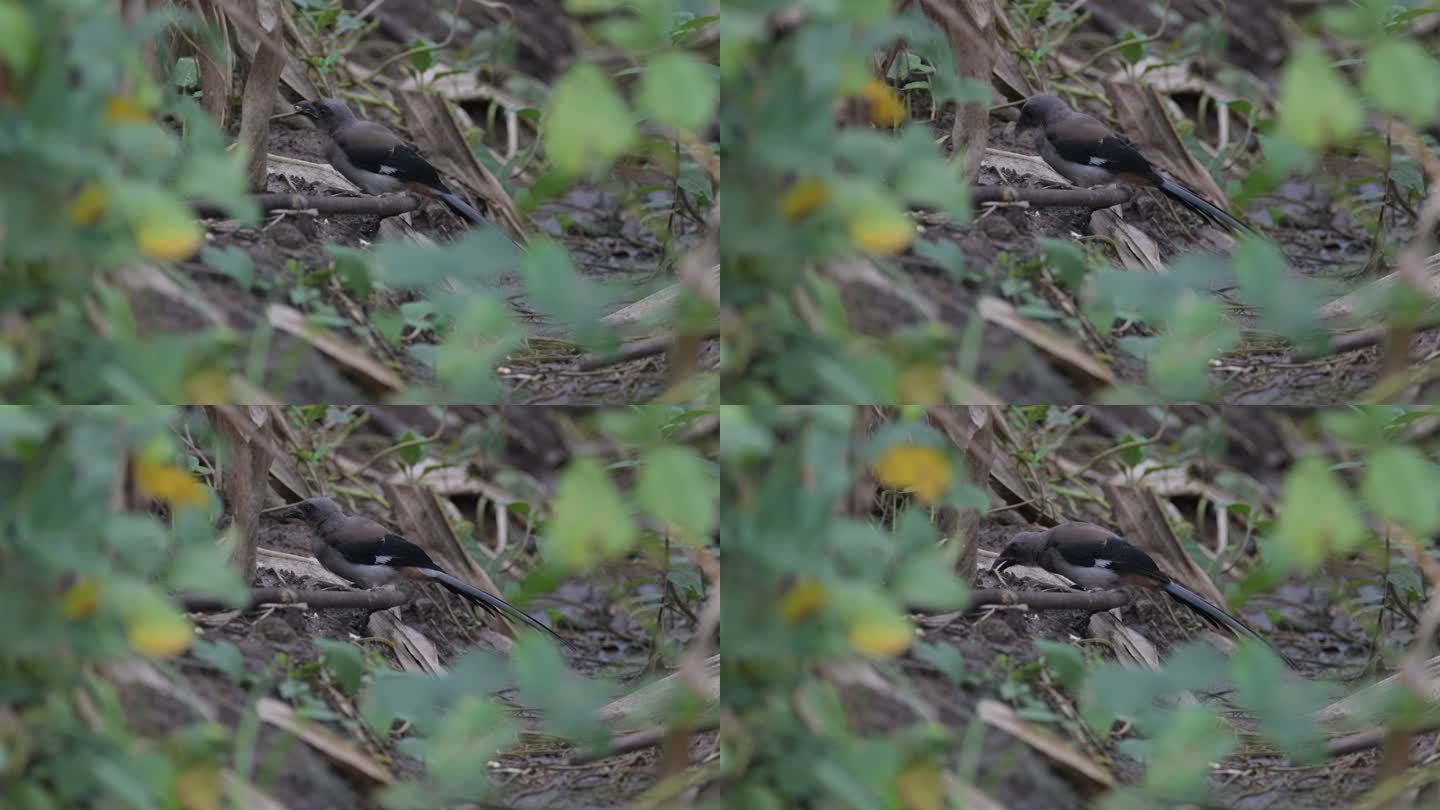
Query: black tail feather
[[1199, 205], [491, 602], [1215, 615], [461, 208]]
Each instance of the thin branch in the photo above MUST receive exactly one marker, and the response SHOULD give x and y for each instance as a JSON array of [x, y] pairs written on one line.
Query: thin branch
[[1102, 197], [373, 600], [386, 206]]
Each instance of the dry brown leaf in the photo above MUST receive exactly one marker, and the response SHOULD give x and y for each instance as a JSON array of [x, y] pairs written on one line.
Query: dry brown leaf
[[1141, 520], [648, 702], [414, 651], [370, 373], [247, 29], [295, 565], [1347, 307], [1021, 165], [1090, 773], [1072, 358], [244, 794], [308, 172], [1349, 709], [1137, 251], [429, 122], [1143, 118], [339, 750]]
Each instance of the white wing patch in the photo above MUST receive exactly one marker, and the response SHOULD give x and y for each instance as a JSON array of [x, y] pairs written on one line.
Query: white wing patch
[[383, 560], [1095, 160], [388, 170], [1103, 563]]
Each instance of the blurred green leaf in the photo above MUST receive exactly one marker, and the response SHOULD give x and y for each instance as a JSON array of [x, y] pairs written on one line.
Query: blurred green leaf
[[586, 124], [679, 90], [345, 661], [676, 486], [1317, 106], [591, 523], [1400, 484], [1402, 79], [222, 655], [233, 262], [1316, 516]]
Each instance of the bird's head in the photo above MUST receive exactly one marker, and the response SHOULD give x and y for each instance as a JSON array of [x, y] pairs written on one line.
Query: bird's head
[[313, 511], [1038, 111], [1023, 549], [327, 113]]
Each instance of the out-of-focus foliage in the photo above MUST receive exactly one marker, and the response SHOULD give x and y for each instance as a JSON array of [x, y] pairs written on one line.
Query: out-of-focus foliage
[[808, 584], [83, 586], [94, 177], [803, 188]]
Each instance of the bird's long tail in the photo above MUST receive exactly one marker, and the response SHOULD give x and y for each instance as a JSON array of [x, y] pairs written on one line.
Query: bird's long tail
[[1199, 205], [461, 208], [1215, 615], [490, 602]]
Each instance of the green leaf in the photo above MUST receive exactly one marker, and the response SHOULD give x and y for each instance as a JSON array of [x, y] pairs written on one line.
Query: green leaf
[[17, 37], [926, 581], [676, 486], [591, 523], [679, 90], [1401, 78], [345, 661], [222, 655], [587, 124], [569, 702], [1317, 105], [1317, 517], [944, 657], [233, 262], [412, 450], [1066, 661], [1067, 260], [1400, 484]]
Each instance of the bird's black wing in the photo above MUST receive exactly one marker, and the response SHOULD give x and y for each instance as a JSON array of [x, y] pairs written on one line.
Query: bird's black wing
[[392, 550], [1111, 153], [373, 148], [1113, 553]]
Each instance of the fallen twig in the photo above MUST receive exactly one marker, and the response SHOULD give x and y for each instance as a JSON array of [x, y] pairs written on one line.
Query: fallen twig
[[386, 206], [374, 600]]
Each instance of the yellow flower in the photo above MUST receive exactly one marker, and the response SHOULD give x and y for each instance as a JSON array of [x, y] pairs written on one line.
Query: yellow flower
[[160, 632], [170, 484], [198, 787], [921, 788], [125, 110], [886, 108], [881, 633], [882, 229], [168, 239], [920, 385], [803, 197], [80, 599], [89, 205], [915, 467], [806, 596], [207, 387]]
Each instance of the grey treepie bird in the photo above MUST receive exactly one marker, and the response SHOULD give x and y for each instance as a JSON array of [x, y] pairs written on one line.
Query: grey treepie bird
[[1085, 152], [376, 159], [1095, 557], [366, 553]]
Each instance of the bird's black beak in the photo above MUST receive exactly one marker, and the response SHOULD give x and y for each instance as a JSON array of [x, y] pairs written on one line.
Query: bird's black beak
[[307, 109], [1001, 564]]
